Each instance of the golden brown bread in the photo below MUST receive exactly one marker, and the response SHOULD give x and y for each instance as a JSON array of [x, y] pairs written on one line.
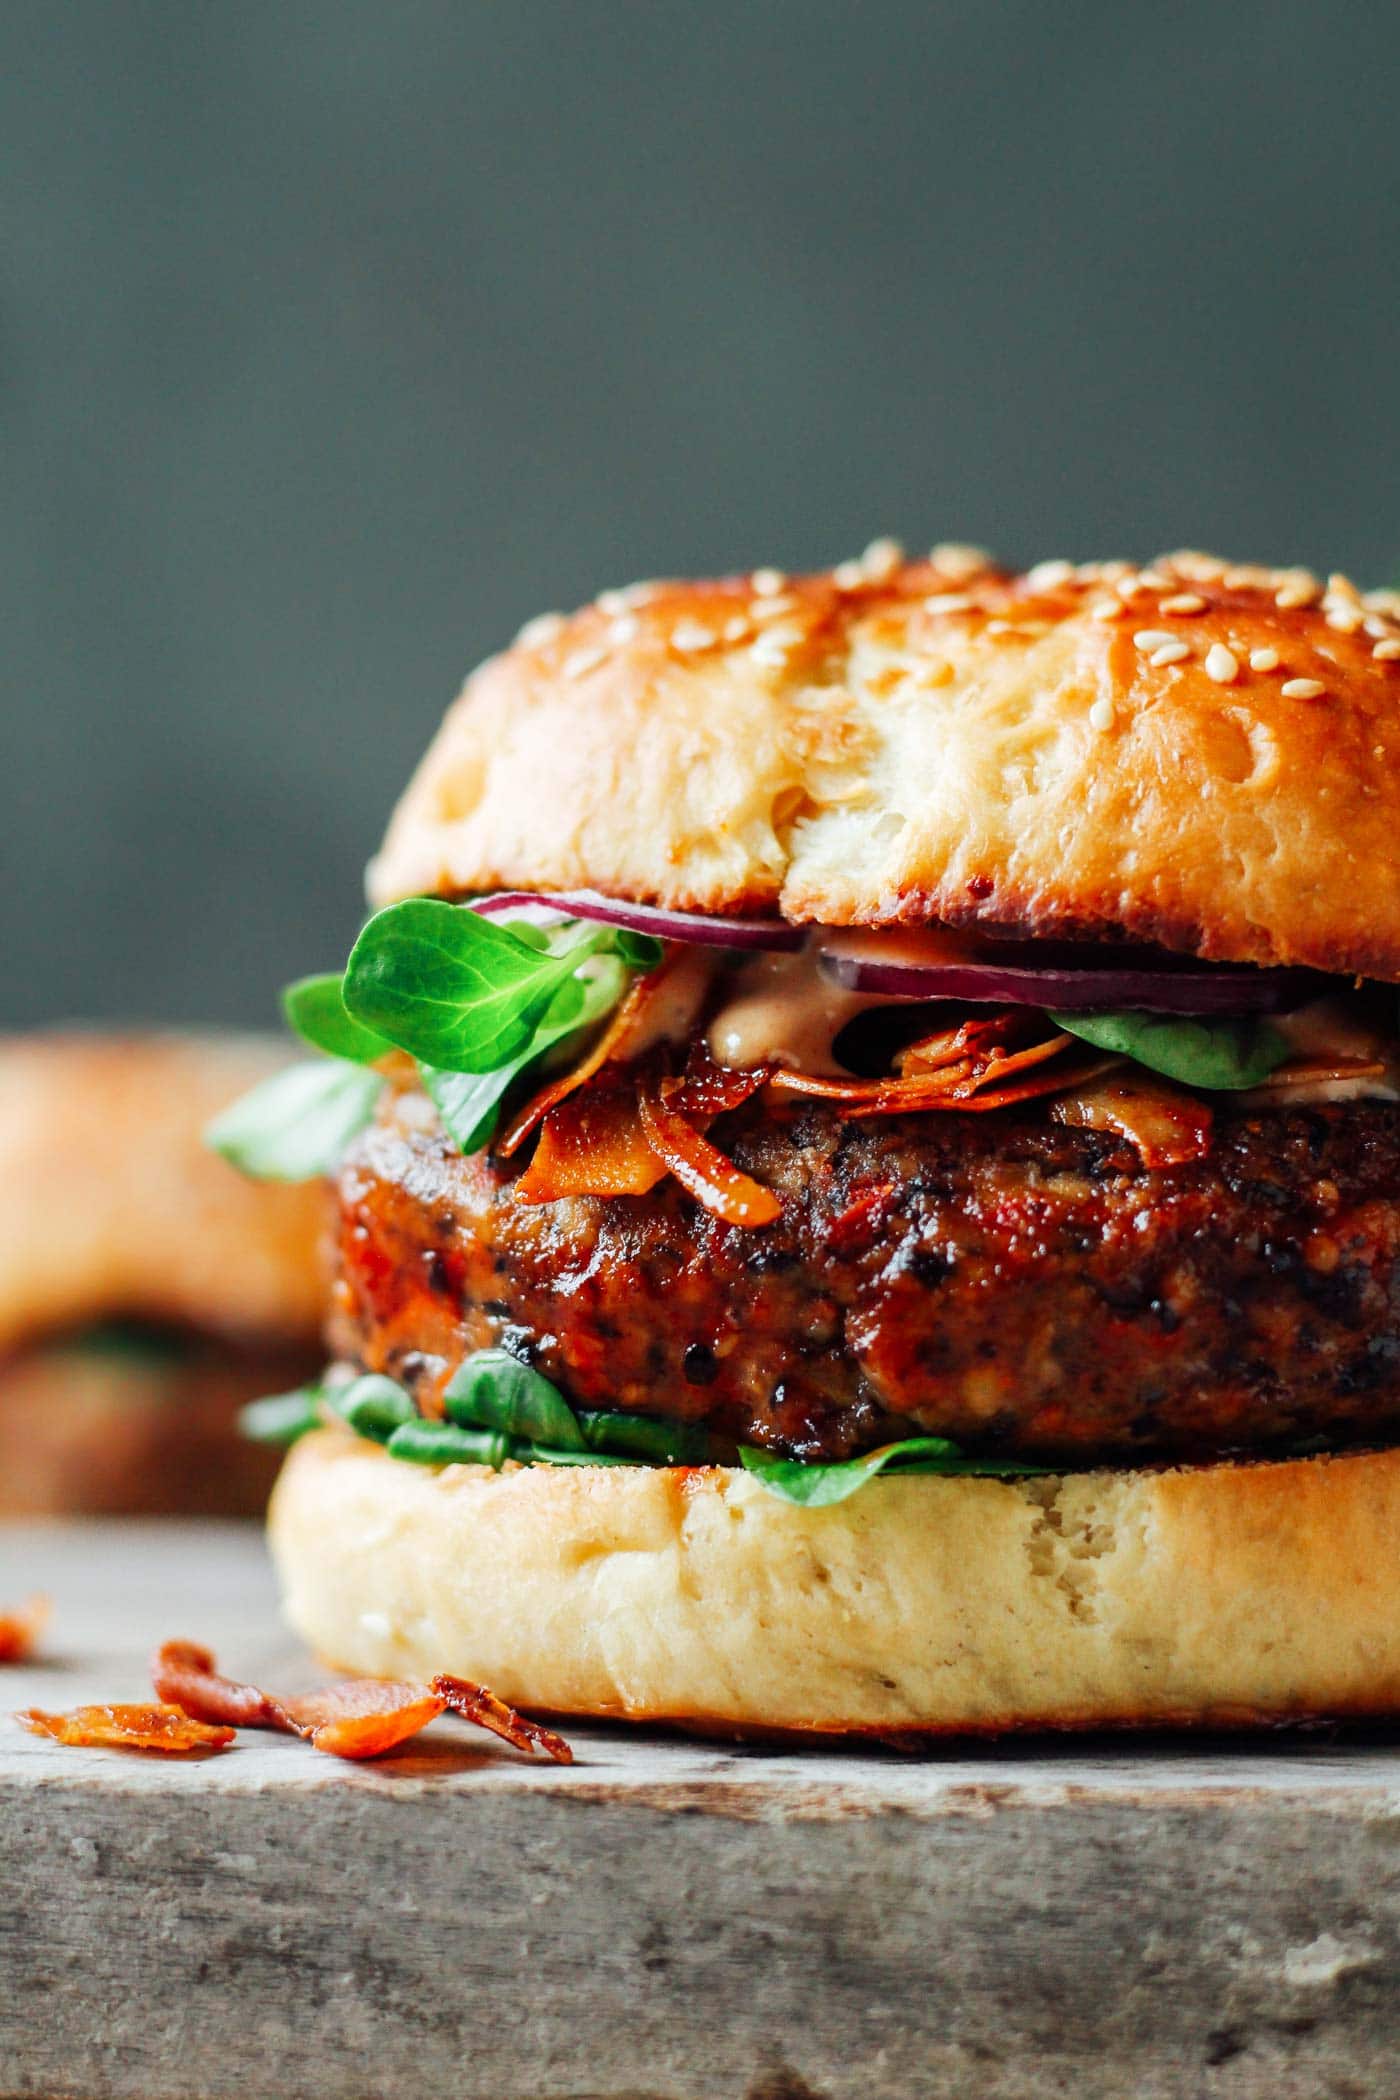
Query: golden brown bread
[[1214, 1594], [111, 1207], [1193, 754]]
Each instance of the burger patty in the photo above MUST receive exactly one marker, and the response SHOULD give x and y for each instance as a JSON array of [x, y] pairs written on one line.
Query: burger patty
[[1020, 1287]]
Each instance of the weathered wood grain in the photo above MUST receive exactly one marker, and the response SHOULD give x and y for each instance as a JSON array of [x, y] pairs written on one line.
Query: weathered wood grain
[[664, 1919]]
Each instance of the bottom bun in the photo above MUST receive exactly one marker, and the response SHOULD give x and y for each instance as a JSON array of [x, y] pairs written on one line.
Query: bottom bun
[[1215, 1594]]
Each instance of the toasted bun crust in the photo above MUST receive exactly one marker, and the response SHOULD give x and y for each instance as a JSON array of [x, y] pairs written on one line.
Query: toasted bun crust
[[1214, 1594], [898, 742], [110, 1206]]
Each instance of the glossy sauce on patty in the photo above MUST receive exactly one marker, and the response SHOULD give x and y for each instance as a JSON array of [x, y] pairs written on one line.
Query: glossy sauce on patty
[[1018, 1286]]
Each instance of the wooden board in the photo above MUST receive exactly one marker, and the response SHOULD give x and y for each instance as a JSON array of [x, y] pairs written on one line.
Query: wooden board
[[665, 1920]]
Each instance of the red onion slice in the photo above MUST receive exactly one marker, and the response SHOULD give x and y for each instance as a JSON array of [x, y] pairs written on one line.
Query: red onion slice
[[1080, 985], [701, 928]]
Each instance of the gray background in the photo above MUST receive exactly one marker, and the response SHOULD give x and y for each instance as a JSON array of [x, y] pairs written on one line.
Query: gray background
[[336, 339]]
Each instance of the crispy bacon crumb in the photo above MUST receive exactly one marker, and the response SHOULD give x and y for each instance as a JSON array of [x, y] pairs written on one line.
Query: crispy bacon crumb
[[592, 1144], [20, 1630], [362, 1718], [474, 1703], [357, 1719], [702, 1170], [163, 1728], [183, 1674]]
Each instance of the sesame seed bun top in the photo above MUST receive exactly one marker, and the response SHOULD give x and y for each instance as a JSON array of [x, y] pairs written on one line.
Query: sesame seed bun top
[[1192, 753]]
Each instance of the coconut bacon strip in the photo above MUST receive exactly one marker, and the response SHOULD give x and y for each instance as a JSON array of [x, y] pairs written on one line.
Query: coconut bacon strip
[[20, 1630], [597, 1143], [473, 1702], [593, 1144], [700, 1167], [1167, 1125], [359, 1718], [165, 1728], [979, 1082], [660, 1006]]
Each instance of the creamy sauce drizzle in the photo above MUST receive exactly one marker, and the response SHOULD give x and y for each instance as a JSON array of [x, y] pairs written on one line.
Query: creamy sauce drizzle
[[784, 1011], [670, 1013]]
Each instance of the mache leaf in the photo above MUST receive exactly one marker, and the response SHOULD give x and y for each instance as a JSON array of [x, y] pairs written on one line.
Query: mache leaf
[[469, 1103], [315, 1007], [456, 990], [282, 1417], [493, 1390], [296, 1125], [640, 951], [447, 1444], [814, 1484], [645, 1437], [1214, 1055], [373, 1406]]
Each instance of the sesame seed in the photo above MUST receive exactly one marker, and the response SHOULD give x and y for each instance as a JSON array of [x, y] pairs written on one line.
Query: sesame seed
[[1386, 601], [1387, 652], [1294, 588], [1101, 715], [848, 576], [544, 628], [1050, 575], [1183, 602], [1339, 586], [1379, 629], [1000, 627], [612, 602], [880, 560], [1344, 618], [1155, 580], [1302, 688], [959, 561], [734, 630], [583, 661], [1222, 664], [1149, 638], [1263, 659], [1128, 586], [1169, 653], [624, 629], [775, 608], [1197, 567], [771, 651], [948, 602], [688, 635], [1108, 609], [766, 583]]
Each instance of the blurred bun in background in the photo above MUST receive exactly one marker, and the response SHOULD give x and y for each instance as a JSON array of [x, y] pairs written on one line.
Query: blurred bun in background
[[146, 1290]]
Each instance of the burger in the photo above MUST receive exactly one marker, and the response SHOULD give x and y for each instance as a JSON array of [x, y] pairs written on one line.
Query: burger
[[864, 1132], [146, 1293]]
